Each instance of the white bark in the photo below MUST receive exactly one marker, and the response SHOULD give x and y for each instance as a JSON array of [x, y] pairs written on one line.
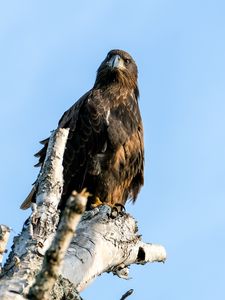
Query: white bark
[[50, 186], [54, 256], [26, 257], [106, 244]]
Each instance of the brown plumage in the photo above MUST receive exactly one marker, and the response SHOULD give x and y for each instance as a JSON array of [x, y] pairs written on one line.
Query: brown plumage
[[104, 151]]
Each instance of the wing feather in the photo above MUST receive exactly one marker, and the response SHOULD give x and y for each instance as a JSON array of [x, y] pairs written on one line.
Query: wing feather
[[68, 120]]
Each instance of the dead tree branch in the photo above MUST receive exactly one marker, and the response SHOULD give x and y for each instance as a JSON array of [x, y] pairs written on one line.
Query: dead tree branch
[[26, 257], [127, 294], [106, 244], [53, 259]]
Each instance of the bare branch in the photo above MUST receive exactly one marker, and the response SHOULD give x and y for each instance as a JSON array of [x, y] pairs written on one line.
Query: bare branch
[[29, 247], [46, 278], [106, 244], [127, 294]]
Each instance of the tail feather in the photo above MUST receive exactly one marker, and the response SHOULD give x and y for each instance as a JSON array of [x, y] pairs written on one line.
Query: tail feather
[[45, 141], [30, 198]]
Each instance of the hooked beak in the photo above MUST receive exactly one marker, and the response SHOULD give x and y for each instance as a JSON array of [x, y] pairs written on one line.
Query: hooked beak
[[116, 62]]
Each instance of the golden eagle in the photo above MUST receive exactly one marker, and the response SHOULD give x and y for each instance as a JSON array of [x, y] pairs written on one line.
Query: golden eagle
[[104, 151]]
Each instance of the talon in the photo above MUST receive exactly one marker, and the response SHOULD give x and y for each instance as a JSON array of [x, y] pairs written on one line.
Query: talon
[[114, 212], [120, 207], [83, 193], [96, 202], [117, 208]]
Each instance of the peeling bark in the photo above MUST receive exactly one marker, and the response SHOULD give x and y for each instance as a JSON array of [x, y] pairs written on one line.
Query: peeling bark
[[26, 257], [46, 278], [106, 244]]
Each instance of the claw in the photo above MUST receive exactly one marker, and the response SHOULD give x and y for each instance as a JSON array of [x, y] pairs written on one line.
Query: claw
[[120, 207], [96, 202], [114, 212], [117, 209]]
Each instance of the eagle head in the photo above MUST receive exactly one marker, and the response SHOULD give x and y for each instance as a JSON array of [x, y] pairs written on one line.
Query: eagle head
[[118, 68]]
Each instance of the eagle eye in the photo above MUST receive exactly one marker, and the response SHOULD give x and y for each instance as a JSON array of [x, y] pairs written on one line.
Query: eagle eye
[[127, 61]]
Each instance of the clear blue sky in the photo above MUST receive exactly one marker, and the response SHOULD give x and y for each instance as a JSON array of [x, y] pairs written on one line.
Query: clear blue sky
[[49, 54]]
